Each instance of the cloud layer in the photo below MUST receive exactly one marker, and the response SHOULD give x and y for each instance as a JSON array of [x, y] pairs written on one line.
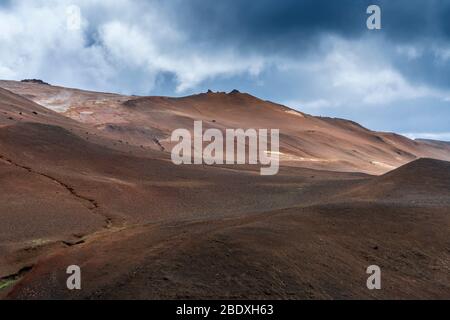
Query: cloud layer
[[317, 56]]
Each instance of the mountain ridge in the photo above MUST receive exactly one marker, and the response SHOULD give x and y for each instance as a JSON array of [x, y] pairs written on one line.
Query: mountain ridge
[[322, 143]]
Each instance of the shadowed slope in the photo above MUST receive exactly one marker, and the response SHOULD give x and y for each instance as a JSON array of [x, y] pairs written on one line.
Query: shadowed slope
[[305, 252], [424, 181]]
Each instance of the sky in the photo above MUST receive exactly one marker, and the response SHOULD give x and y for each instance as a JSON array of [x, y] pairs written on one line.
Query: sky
[[315, 56]]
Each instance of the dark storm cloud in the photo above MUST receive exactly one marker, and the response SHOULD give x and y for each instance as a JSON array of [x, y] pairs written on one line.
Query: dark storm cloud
[[271, 25], [292, 24], [291, 28], [413, 20]]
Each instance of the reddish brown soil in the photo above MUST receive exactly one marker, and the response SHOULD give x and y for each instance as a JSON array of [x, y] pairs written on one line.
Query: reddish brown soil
[[141, 227]]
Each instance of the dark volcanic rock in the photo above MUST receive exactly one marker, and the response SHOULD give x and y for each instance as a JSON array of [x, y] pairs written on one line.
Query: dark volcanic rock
[[38, 81]]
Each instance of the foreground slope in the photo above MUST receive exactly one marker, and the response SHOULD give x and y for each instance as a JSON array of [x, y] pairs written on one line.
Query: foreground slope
[[318, 251]]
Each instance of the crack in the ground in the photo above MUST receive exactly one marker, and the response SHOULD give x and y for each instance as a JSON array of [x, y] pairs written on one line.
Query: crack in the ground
[[9, 280], [72, 243], [156, 141], [93, 205]]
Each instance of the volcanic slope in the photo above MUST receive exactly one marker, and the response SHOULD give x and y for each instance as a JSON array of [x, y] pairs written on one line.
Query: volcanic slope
[[315, 251], [141, 227], [62, 181], [305, 140]]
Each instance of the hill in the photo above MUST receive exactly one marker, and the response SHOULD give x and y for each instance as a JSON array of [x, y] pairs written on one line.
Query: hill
[[305, 140]]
